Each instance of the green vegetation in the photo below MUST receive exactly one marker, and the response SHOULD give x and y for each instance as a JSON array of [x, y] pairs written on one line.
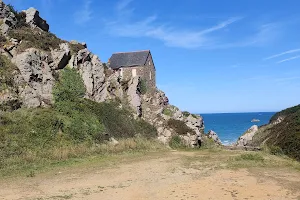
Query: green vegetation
[[176, 142], [7, 70], [286, 135], [282, 138], [20, 16], [75, 48], [179, 127], [142, 87], [285, 112], [74, 127], [250, 156], [186, 113], [34, 38], [168, 112]]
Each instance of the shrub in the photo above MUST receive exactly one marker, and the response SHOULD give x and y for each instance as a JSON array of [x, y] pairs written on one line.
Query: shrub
[[142, 87], [275, 150], [35, 38], [7, 71], [186, 113], [70, 86], [75, 48], [179, 127], [176, 142], [120, 123], [168, 112]]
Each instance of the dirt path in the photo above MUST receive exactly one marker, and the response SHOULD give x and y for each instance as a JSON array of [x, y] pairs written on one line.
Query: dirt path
[[172, 175]]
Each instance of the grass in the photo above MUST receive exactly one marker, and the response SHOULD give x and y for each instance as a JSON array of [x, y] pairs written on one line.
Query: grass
[[168, 112], [176, 142], [285, 112], [179, 127], [30, 164], [35, 38], [73, 128]]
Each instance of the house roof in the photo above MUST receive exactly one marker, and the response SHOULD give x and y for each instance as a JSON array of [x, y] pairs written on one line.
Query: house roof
[[128, 59]]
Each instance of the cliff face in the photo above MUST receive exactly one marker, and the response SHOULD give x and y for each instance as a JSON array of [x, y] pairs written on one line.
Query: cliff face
[[35, 58], [281, 135]]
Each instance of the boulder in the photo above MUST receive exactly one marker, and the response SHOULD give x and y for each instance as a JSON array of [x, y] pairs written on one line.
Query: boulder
[[34, 20], [245, 139], [213, 135]]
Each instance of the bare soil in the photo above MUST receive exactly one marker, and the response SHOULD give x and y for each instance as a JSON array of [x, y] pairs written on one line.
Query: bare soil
[[158, 176]]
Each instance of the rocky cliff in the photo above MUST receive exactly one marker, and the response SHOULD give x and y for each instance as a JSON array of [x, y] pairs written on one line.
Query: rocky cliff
[[31, 61]]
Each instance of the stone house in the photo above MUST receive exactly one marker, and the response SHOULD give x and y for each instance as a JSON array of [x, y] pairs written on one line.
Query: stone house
[[132, 64]]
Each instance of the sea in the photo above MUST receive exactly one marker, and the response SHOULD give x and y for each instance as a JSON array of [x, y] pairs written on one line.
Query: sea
[[230, 126]]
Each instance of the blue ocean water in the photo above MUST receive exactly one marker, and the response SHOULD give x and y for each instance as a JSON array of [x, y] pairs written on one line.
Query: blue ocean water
[[230, 126]]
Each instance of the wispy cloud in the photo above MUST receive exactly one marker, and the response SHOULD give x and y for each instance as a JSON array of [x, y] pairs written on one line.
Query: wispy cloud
[[288, 59], [121, 5], [150, 26], [84, 14], [207, 38], [283, 53]]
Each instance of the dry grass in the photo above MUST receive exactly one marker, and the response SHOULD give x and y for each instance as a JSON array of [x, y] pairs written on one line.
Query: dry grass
[[68, 154]]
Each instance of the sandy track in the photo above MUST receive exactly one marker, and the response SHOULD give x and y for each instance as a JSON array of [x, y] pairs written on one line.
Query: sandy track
[[156, 178]]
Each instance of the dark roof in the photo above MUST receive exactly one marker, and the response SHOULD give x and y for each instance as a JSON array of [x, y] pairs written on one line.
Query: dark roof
[[128, 59]]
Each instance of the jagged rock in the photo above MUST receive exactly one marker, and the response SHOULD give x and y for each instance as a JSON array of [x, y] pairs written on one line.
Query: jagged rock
[[34, 20], [134, 98], [278, 120], [60, 56], [213, 135], [8, 18], [37, 75], [81, 43], [245, 139]]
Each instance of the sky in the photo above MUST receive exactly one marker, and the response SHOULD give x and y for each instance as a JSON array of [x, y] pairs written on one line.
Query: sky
[[210, 56]]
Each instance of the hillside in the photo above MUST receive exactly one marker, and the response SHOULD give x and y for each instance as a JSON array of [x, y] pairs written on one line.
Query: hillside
[[281, 135]]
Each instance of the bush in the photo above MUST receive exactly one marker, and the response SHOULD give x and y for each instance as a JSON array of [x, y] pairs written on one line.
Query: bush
[[142, 87], [35, 38], [7, 71], [120, 123], [70, 86], [179, 127], [176, 142], [168, 112], [75, 48], [186, 113]]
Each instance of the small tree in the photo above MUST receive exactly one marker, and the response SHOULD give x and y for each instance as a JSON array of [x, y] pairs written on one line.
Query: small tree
[[70, 86]]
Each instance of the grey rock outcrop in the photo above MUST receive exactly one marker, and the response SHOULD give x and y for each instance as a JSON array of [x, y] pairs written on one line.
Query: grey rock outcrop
[[245, 139], [8, 18], [60, 56], [34, 20], [37, 76], [134, 98], [213, 135]]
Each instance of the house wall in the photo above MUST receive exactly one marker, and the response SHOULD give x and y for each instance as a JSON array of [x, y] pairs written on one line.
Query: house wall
[[143, 72]]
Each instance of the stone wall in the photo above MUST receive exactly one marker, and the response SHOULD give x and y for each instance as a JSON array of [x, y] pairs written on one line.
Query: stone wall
[[146, 72]]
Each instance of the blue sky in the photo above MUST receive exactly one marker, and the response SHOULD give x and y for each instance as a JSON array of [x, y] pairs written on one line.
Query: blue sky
[[210, 56]]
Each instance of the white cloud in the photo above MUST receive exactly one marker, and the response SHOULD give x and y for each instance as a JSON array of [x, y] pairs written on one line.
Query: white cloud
[[84, 14], [283, 53], [121, 5], [123, 25], [288, 59]]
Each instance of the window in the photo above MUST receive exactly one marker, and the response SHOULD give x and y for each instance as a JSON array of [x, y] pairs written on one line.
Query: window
[[121, 72], [150, 76], [133, 72]]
